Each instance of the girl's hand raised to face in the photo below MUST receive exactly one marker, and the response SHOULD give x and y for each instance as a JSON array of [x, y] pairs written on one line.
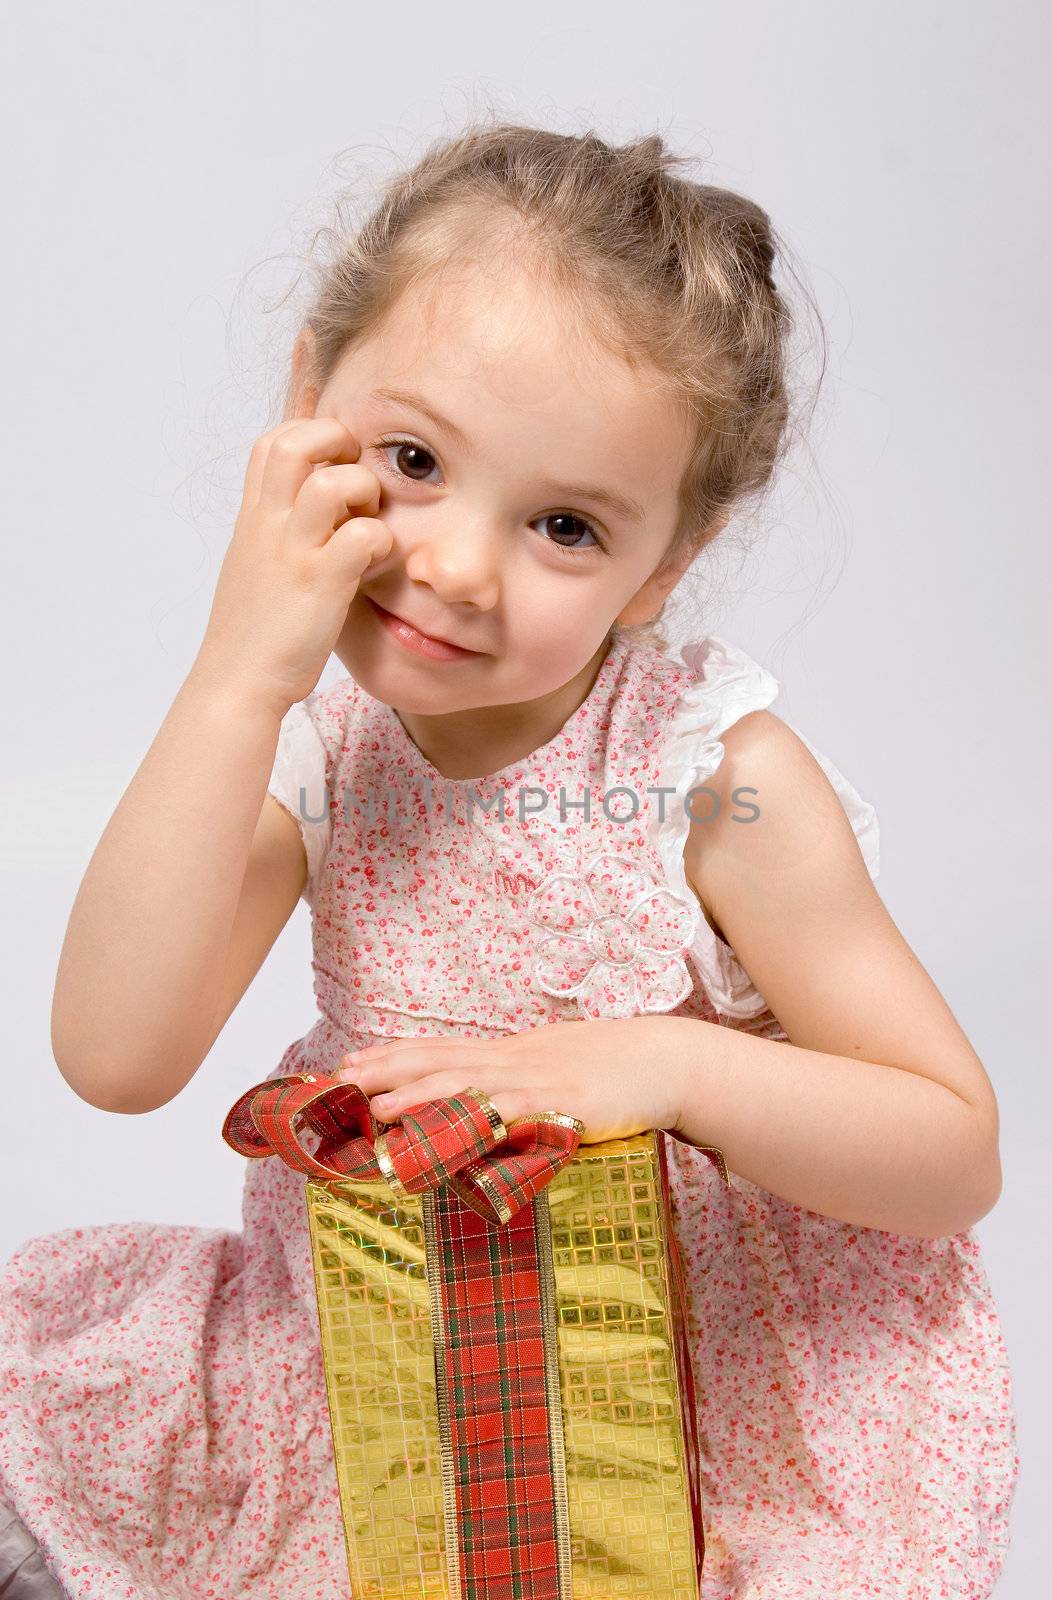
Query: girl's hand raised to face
[[307, 530]]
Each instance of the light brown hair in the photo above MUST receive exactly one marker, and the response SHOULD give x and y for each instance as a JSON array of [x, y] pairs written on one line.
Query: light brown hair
[[674, 276]]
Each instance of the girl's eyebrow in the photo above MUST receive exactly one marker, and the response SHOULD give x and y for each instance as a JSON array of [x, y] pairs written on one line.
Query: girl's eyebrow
[[622, 504], [403, 397]]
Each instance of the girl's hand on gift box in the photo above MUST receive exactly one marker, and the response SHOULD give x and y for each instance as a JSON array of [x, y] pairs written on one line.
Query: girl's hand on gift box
[[618, 1075]]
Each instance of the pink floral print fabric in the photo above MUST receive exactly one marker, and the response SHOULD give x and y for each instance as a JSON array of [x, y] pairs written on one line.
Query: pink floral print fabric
[[163, 1424]]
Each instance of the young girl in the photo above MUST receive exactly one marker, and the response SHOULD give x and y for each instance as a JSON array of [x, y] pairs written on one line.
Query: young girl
[[547, 858]]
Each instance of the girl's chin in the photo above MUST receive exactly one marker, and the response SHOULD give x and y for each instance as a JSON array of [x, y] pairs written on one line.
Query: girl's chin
[[410, 682]]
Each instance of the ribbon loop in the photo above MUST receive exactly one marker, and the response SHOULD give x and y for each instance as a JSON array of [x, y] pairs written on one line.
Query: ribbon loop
[[267, 1118], [536, 1148], [460, 1140], [432, 1142]]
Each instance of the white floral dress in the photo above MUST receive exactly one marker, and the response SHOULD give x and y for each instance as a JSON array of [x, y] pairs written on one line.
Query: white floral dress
[[165, 1431]]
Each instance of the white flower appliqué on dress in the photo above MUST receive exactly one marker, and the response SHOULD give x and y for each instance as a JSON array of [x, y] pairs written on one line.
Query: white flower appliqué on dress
[[614, 938]]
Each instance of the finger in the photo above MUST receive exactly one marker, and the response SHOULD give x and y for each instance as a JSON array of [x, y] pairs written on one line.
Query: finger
[[257, 461], [376, 1054], [380, 1070], [392, 1101], [329, 496], [352, 550], [290, 453], [396, 1047], [509, 1103], [396, 1071], [392, 1066]]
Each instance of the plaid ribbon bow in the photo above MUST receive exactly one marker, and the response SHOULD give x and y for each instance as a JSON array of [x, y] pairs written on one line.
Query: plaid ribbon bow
[[460, 1141]]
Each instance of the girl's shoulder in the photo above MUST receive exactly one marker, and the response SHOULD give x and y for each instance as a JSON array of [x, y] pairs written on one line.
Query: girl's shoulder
[[727, 762]]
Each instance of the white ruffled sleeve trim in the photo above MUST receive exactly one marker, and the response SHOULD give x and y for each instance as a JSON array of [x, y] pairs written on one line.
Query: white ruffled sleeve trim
[[729, 685], [297, 781]]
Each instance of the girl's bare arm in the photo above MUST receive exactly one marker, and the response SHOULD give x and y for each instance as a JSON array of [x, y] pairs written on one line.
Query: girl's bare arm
[[195, 872], [878, 1111], [144, 965]]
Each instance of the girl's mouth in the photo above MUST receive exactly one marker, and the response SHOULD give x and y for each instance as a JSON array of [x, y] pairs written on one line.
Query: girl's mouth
[[411, 638]]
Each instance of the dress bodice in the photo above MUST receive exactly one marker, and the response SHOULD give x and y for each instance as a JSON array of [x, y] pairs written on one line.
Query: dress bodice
[[550, 890]]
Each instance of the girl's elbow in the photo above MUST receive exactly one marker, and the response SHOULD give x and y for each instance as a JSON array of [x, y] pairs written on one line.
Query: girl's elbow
[[974, 1194], [990, 1190], [106, 1087], [984, 1162]]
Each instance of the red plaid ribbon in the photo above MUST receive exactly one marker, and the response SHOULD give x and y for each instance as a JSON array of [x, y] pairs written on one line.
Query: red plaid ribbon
[[461, 1141]]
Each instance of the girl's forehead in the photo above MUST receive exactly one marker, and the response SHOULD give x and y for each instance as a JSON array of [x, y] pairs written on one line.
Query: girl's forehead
[[504, 340], [478, 323]]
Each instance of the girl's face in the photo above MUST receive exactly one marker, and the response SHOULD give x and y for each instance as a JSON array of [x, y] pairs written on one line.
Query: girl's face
[[529, 484]]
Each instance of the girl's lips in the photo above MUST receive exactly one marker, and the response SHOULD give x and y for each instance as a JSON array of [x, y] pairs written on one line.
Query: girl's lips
[[422, 643]]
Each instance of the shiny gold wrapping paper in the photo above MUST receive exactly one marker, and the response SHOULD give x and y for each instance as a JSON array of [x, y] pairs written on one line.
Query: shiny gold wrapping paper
[[602, 1227]]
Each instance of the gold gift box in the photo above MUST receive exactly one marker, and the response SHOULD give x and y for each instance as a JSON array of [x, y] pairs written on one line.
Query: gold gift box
[[628, 1495]]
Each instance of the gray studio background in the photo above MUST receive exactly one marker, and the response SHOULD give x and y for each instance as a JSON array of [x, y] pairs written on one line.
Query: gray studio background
[[170, 164]]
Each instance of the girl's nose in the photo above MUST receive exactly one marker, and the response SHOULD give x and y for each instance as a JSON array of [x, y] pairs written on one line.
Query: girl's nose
[[460, 562]]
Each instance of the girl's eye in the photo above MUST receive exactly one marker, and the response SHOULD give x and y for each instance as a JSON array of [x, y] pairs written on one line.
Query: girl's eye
[[410, 468], [566, 517], [407, 450]]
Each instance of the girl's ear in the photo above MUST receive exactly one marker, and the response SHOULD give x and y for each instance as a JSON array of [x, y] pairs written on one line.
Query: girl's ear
[[302, 397], [647, 601]]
